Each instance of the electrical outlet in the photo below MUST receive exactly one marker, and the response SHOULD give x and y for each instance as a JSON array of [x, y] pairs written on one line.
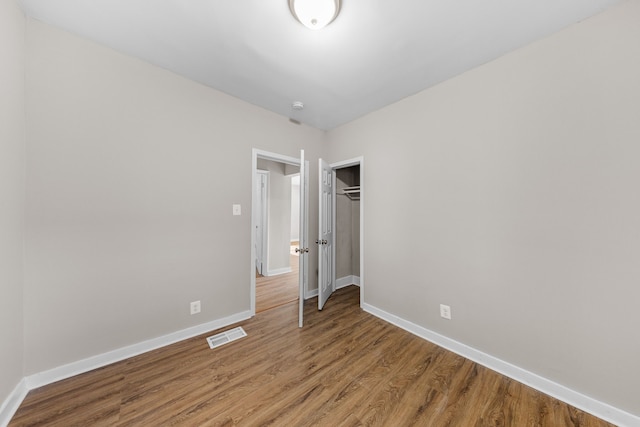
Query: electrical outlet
[[195, 307], [445, 311]]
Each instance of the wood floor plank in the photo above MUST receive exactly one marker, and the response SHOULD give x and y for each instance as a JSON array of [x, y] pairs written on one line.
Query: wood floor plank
[[275, 291], [344, 368]]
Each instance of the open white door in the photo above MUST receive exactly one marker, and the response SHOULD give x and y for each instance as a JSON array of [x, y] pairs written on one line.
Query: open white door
[[325, 234], [260, 212], [303, 248]]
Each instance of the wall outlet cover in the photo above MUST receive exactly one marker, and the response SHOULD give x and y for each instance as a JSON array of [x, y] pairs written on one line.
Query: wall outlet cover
[[445, 311], [195, 307]]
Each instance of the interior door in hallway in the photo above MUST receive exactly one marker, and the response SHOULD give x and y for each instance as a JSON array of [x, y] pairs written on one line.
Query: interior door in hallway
[[303, 248], [260, 213]]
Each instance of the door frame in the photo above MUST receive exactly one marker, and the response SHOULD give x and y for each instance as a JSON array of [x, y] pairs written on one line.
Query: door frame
[[339, 165], [280, 158]]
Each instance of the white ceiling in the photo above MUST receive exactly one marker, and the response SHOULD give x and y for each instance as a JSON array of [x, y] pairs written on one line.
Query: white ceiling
[[376, 52]]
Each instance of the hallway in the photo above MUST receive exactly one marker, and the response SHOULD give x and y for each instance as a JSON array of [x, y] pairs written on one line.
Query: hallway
[[277, 290]]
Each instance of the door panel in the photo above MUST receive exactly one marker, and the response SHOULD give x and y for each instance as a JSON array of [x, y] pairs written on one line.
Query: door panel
[[261, 220], [303, 248], [325, 234]]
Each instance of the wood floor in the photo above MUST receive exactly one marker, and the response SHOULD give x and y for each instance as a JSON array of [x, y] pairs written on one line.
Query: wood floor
[[344, 368], [275, 291]]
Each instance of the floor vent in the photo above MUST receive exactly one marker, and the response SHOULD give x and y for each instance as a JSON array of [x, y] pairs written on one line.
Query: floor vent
[[226, 337]]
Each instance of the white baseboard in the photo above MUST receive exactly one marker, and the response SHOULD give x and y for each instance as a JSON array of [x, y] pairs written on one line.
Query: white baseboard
[[585, 403], [595, 407], [340, 283], [278, 271], [347, 280], [12, 402], [310, 294], [75, 368]]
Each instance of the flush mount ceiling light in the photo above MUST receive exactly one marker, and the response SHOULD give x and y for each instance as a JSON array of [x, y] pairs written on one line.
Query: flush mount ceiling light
[[315, 14]]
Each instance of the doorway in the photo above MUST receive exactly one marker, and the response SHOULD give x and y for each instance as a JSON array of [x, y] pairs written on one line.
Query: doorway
[[341, 258], [277, 275], [347, 226], [277, 226]]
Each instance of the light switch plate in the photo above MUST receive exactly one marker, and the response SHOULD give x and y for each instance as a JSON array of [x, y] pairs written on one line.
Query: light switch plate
[[237, 210]]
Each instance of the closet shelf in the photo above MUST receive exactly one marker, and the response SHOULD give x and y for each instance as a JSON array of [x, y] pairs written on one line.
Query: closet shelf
[[352, 192]]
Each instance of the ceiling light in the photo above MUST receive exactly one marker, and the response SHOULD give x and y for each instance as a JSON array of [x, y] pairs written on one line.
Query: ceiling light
[[315, 14]]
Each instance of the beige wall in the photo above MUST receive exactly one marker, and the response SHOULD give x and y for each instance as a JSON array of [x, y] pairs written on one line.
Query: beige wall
[[279, 216], [132, 173], [12, 165], [511, 193]]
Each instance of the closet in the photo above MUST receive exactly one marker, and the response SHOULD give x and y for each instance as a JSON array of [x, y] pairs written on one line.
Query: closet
[[347, 226]]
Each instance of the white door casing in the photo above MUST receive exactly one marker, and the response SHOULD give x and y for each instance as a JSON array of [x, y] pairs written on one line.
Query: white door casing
[[326, 281]]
